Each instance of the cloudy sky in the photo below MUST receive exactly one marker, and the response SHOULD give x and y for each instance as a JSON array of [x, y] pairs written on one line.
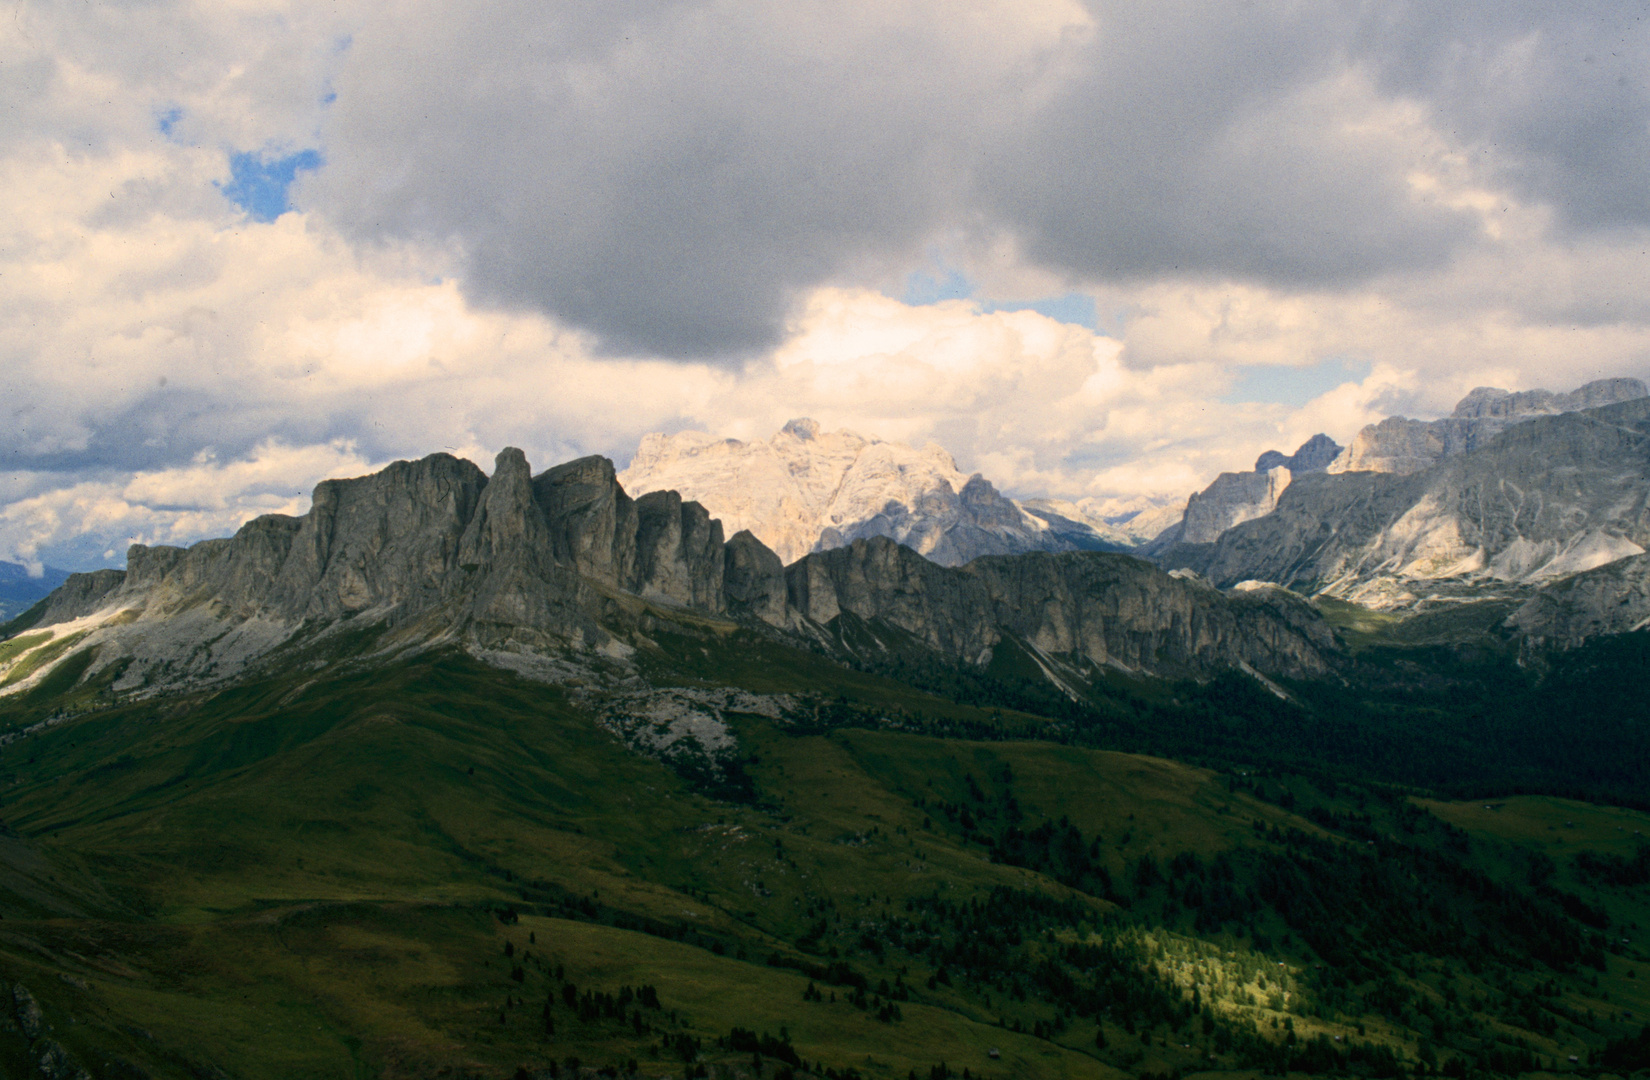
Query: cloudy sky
[[1101, 249]]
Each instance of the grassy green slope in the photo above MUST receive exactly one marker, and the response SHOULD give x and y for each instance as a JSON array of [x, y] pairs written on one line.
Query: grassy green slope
[[393, 869], [410, 802]]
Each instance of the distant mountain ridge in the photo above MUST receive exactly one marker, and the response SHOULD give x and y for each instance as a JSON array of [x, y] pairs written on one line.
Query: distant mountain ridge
[[1552, 511], [19, 589], [1395, 445], [1403, 446], [1139, 520], [566, 563], [807, 490], [1236, 497], [1517, 514]]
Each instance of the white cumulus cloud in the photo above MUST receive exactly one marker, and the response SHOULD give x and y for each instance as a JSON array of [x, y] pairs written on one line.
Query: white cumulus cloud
[[561, 227]]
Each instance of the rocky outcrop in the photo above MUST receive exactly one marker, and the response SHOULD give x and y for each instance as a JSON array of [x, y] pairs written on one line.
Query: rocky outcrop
[[1230, 499], [436, 550], [434, 543], [592, 521], [1549, 497], [1612, 599], [678, 552], [1236, 497], [753, 580], [808, 490], [381, 541], [505, 575], [51, 1061], [1111, 609], [1313, 455], [1403, 446], [78, 596]]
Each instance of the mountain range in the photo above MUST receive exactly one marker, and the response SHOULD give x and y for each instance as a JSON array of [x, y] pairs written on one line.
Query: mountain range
[[1400, 445], [808, 490], [1541, 507], [20, 589], [535, 775], [1534, 501], [1515, 491], [438, 551], [1236, 497]]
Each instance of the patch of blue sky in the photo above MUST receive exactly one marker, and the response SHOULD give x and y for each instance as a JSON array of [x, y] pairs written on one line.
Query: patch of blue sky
[[1295, 386], [260, 186], [1074, 308], [924, 287], [168, 120]]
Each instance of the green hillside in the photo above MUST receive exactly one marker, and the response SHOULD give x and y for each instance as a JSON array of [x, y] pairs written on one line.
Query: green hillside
[[427, 866]]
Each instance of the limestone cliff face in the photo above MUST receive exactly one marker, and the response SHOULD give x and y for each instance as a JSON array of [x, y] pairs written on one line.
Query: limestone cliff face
[[380, 542], [79, 596], [506, 575], [1236, 497], [1232, 498], [437, 550], [389, 539], [678, 552], [1613, 599], [433, 544], [810, 490], [753, 580], [592, 521], [1403, 446], [1547, 498], [1112, 609]]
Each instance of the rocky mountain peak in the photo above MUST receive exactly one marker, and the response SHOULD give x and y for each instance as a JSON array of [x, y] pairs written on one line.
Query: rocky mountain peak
[[1236, 497], [1404, 446], [435, 550], [808, 490], [591, 520], [1313, 455], [1552, 508], [507, 521], [1491, 401]]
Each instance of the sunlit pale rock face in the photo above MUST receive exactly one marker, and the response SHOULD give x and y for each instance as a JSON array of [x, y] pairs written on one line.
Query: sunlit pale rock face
[[809, 490], [1548, 497], [1403, 446], [1236, 497], [1153, 521], [1232, 498]]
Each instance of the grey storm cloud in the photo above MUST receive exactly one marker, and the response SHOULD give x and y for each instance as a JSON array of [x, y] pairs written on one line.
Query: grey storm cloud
[[666, 179], [669, 176], [1556, 97], [1208, 141]]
